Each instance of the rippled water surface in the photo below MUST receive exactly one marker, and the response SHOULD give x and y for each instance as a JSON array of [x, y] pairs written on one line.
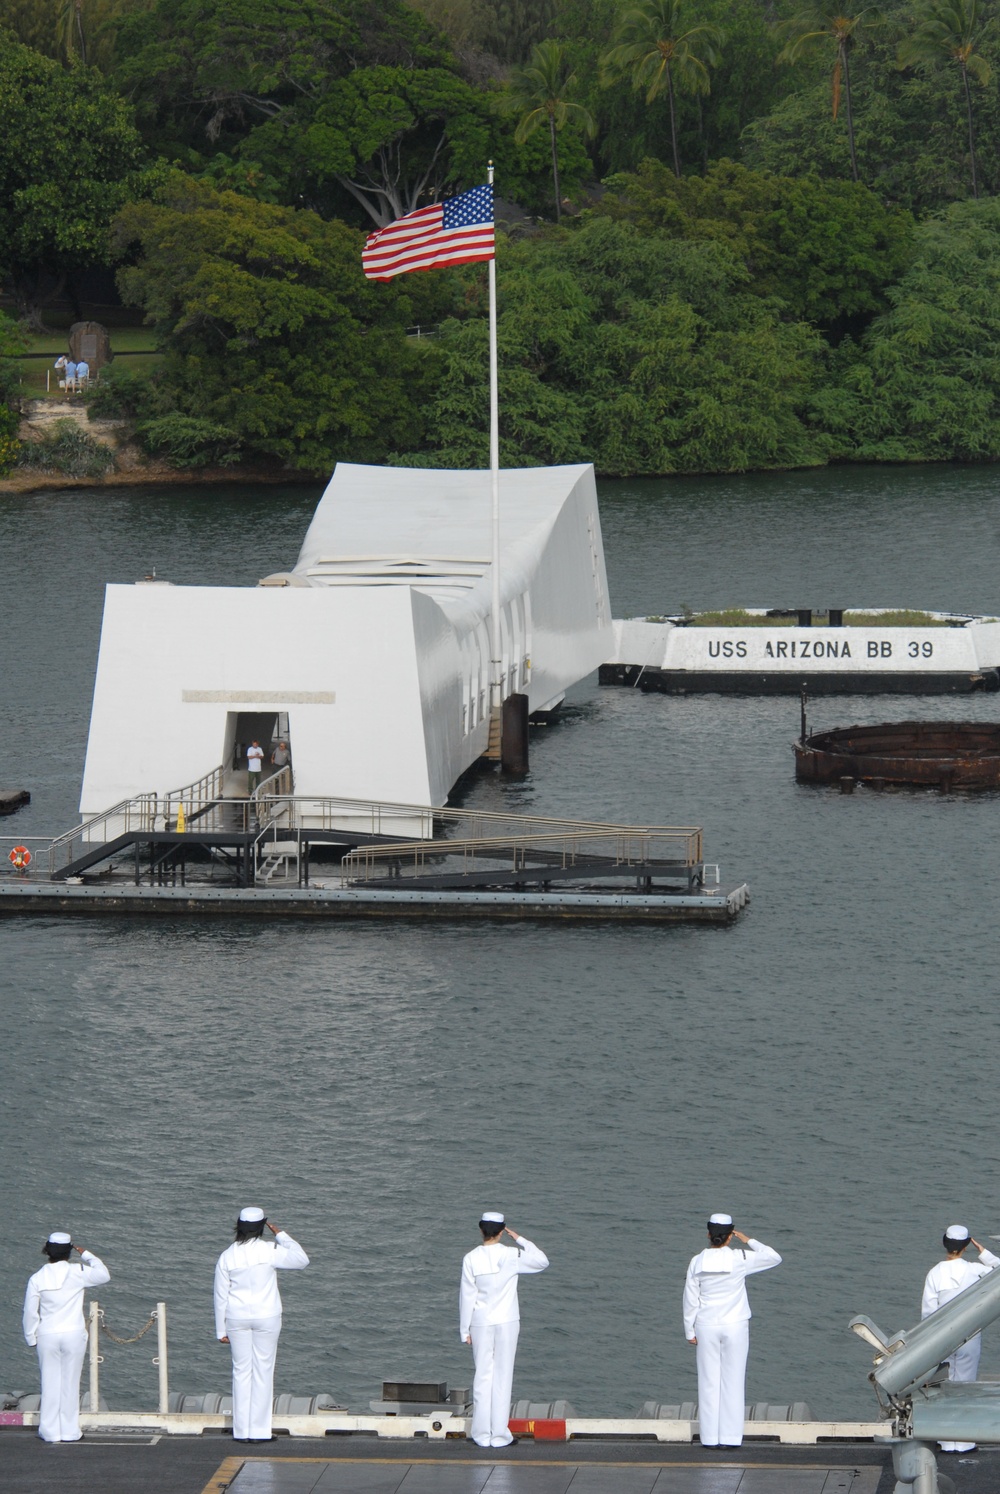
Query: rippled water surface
[[826, 1068]]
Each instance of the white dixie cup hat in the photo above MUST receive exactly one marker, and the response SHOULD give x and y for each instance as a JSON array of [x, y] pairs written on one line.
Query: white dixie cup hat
[[60, 1237], [720, 1219], [251, 1215], [491, 1217]]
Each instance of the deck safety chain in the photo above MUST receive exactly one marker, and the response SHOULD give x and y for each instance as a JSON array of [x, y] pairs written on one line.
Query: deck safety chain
[[135, 1337]]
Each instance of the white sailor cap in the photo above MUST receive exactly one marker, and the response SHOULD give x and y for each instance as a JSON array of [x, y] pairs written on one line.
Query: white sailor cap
[[251, 1216], [491, 1218], [956, 1232], [721, 1219], [60, 1237]]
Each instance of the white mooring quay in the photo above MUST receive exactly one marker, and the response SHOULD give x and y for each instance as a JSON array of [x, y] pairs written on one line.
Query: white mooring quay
[[950, 653], [371, 656]]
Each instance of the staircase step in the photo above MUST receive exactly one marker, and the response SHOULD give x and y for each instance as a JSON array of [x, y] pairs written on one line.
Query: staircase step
[[492, 753]]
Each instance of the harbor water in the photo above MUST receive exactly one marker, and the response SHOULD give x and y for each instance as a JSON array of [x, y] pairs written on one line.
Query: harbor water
[[825, 1068]]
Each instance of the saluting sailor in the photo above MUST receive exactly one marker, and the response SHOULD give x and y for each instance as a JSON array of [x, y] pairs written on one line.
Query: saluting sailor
[[248, 1316], [489, 1319], [717, 1319], [53, 1323], [944, 1282]]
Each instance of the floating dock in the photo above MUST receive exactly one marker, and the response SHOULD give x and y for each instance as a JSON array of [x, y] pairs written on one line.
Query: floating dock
[[277, 855], [11, 800], [778, 652], [714, 905]]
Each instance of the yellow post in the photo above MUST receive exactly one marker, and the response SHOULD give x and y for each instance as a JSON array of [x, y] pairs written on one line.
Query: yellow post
[[181, 823]]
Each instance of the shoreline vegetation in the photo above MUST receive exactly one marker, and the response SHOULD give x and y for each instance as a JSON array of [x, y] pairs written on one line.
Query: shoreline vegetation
[[730, 238]]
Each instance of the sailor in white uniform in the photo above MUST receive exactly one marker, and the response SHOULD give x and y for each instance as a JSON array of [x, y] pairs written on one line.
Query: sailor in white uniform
[[717, 1319], [53, 1323], [944, 1282], [489, 1319], [248, 1316]]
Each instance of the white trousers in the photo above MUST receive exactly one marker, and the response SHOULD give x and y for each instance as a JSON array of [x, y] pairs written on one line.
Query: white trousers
[[254, 1344], [493, 1349], [964, 1365], [60, 1359], [722, 1373]]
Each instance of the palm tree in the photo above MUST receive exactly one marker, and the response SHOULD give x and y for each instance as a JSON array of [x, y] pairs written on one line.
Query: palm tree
[[822, 25], [69, 29], [652, 44], [538, 93], [949, 31]]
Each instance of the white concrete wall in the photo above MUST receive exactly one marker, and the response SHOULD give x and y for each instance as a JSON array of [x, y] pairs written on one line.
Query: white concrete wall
[[256, 648], [639, 642], [571, 625]]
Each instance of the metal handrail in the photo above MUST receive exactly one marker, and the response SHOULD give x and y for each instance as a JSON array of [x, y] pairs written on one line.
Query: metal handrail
[[265, 797], [196, 796], [143, 808], [327, 809], [38, 845], [621, 847]]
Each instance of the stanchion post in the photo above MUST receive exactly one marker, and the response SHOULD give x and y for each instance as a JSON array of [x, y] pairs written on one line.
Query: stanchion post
[[95, 1358], [161, 1356]]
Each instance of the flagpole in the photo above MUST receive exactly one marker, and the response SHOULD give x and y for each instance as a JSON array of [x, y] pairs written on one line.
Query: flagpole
[[496, 687]]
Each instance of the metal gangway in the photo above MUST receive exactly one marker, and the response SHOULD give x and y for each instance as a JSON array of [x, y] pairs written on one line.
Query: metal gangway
[[273, 835]]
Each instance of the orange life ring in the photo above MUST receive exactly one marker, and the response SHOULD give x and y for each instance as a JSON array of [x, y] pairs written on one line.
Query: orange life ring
[[21, 857]]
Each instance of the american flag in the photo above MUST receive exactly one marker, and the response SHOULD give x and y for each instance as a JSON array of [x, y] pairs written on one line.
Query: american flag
[[458, 231]]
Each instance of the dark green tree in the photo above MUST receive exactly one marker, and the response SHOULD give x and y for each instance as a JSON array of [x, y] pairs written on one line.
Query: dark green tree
[[70, 162], [205, 73], [272, 338], [827, 251], [924, 385], [637, 352], [391, 138]]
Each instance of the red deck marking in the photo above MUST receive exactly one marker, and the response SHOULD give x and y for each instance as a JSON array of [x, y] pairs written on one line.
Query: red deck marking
[[543, 1429]]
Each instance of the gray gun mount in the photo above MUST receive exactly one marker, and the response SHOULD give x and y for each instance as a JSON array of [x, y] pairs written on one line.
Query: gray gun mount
[[910, 1374]]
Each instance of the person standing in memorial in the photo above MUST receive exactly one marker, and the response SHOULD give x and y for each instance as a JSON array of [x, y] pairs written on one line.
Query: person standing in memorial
[[248, 1316], [943, 1283], [489, 1319], [717, 1321], [53, 1324], [255, 757]]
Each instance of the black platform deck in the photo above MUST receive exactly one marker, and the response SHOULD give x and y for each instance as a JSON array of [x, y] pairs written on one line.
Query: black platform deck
[[108, 1463]]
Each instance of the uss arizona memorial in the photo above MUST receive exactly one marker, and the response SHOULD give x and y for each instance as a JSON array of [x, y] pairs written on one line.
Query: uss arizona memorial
[[372, 653]]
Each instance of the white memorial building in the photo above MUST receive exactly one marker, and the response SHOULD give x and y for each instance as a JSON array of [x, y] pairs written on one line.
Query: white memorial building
[[372, 655]]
